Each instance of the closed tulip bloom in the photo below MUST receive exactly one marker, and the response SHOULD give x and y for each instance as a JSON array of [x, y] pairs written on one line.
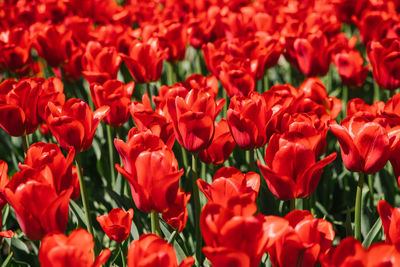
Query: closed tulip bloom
[[47, 213], [350, 65], [292, 169], [145, 60], [50, 90], [64, 173], [236, 77], [100, 63], [248, 119], [73, 250], [311, 54], [18, 107], [365, 145], [15, 48], [117, 96], [151, 250], [151, 169], [193, 118], [221, 147], [385, 60], [53, 43], [117, 224], [74, 124]]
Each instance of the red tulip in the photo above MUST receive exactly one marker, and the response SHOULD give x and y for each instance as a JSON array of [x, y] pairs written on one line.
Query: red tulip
[[193, 118], [172, 35], [145, 60], [365, 144], [3, 182], [151, 169], [236, 77], [15, 48], [64, 173], [314, 98], [390, 218], [53, 43], [248, 120], [247, 237], [230, 186], [18, 107], [303, 242], [309, 126], [100, 63], [221, 146], [350, 65], [74, 124], [385, 60], [51, 90], [73, 250], [117, 96], [350, 252], [299, 178], [48, 213], [117, 224], [358, 105], [310, 54], [177, 214], [151, 250], [147, 119]]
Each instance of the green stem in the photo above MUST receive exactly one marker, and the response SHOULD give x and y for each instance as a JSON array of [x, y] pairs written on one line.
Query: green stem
[[148, 90], [357, 216], [198, 62], [171, 75], [122, 254], [252, 161], [376, 92], [111, 154], [24, 141], [225, 109], [292, 205], [155, 223], [184, 156], [266, 81], [345, 97], [196, 198], [84, 195]]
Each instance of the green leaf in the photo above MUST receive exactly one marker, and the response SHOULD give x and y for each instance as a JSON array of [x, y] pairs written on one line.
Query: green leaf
[[78, 212], [8, 259], [373, 234]]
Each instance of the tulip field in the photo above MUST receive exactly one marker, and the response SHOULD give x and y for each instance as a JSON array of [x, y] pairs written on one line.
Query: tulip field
[[224, 133]]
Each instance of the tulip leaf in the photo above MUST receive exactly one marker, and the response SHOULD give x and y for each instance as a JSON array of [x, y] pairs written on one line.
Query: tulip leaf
[[77, 211], [172, 237], [373, 234], [7, 260]]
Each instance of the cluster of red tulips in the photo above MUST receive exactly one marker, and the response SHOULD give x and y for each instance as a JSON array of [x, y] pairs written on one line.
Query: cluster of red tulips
[[200, 133]]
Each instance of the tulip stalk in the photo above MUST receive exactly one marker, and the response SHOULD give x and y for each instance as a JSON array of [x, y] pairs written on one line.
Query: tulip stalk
[[89, 224], [196, 198], [122, 254], [357, 215], [292, 204], [24, 141], [155, 223], [111, 154]]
